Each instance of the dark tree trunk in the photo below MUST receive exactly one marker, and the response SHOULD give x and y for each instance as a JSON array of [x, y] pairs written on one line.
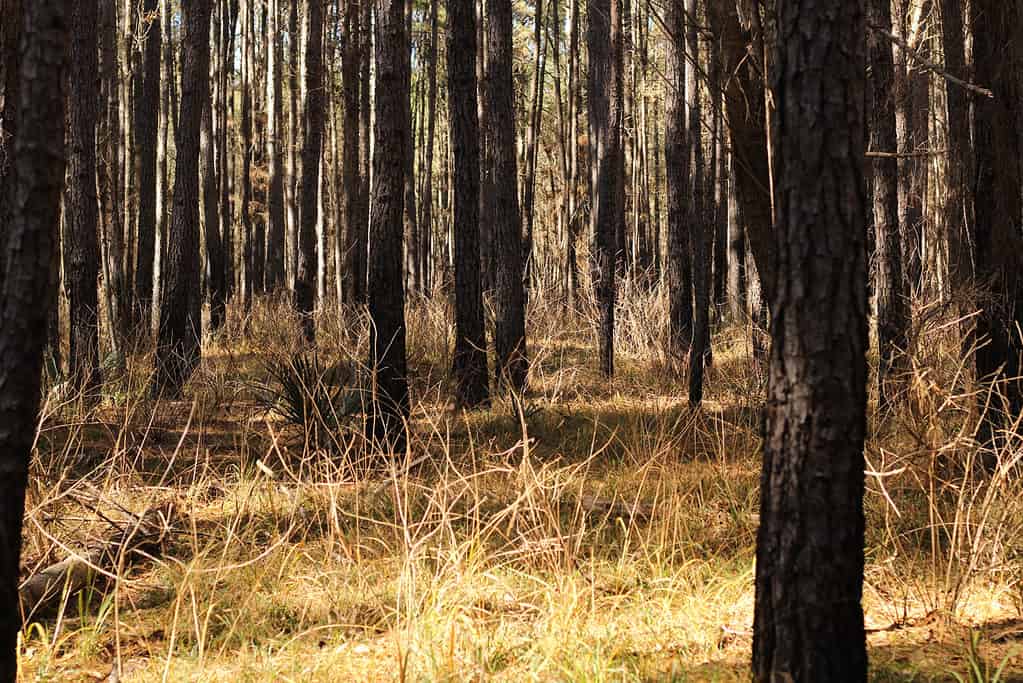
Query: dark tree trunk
[[510, 328], [360, 266], [532, 141], [147, 119], [604, 44], [414, 276], [744, 104], [999, 247], [354, 227], [572, 229], [274, 153], [890, 287], [907, 91], [960, 161], [676, 162], [808, 621], [470, 360], [248, 269], [33, 180], [699, 207], [180, 329], [312, 145], [426, 222], [388, 414], [81, 251]]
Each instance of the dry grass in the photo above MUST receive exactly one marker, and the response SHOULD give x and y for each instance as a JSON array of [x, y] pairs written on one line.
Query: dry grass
[[591, 531]]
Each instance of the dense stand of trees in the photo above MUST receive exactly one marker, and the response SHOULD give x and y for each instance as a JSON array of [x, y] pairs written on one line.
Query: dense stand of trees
[[341, 153]]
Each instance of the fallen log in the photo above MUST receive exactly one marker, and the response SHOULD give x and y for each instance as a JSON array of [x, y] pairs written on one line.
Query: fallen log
[[127, 544]]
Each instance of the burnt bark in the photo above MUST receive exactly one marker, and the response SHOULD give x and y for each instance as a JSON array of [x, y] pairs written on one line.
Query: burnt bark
[[470, 359], [312, 147], [604, 44], [676, 164], [509, 300], [388, 414], [999, 246], [35, 165], [180, 329], [808, 620], [81, 248]]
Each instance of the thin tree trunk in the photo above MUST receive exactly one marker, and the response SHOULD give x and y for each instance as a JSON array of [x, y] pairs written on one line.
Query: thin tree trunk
[[386, 419], [676, 164], [147, 118], [698, 210], [890, 286], [178, 349], [274, 153], [470, 358], [305, 280], [81, 252], [510, 330], [604, 44], [426, 224]]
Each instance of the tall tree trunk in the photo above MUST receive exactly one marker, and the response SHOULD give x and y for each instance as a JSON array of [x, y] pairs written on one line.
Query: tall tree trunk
[[998, 59], [744, 103], [808, 620], [387, 417], [426, 223], [180, 309], [572, 229], [81, 253], [147, 119], [167, 115], [698, 178], [274, 152], [906, 93], [109, 180], [470, 359], [305, 280], [294, 121], [415, 278], [960, 160], [532, 137], [360, 266], [604, 44], [354, 229], [248, 279], [510, 331], [33, 178], [890, 286], [676, 164]]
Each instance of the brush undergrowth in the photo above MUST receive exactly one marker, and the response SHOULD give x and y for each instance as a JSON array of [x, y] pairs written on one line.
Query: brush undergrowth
[[587, 531]]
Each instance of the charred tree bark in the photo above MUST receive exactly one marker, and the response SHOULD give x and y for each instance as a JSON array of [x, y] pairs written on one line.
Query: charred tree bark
[[510, 329], [999, 247], [676, 163], [81, 250], [34, 175], [312, 147], [274, 152], [808, 620], [351, 192], [470, 360], [699, 208], [178, 346], [387, 416], [604, 44]]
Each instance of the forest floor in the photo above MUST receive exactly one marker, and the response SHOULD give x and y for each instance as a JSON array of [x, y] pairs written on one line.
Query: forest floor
[[588, 532]]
